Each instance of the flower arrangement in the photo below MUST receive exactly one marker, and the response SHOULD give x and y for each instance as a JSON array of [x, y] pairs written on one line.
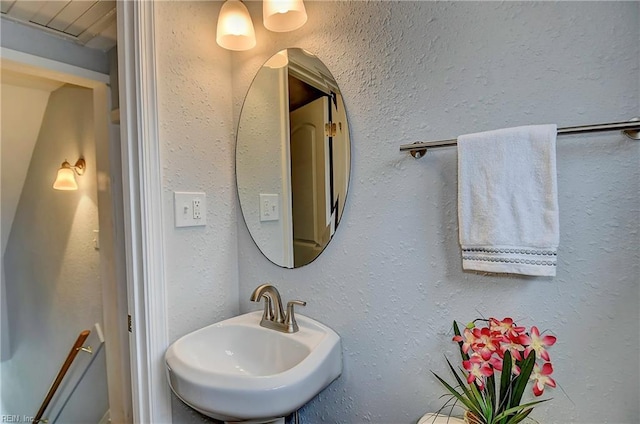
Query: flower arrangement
[[519, 356]]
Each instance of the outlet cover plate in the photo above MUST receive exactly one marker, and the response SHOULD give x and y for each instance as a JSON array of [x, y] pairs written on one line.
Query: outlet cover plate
[[190, 209], [269, 207]]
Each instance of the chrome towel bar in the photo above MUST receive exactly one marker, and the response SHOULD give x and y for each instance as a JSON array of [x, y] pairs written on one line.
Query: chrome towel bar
[[630, 128]]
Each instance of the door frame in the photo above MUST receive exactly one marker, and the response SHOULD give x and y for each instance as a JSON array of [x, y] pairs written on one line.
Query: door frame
[[142, 194], [109, 212], [142, 204]]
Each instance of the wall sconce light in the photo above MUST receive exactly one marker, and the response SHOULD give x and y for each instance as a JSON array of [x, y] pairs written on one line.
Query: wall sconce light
[[235, 29], [66, 178], [283, 15]]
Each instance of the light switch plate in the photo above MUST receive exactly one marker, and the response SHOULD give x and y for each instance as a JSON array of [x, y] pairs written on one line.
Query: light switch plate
[[269, 207], [190, 209]]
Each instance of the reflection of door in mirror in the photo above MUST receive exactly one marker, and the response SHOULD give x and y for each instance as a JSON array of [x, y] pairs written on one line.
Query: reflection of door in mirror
[[309, 188], [293, 148]]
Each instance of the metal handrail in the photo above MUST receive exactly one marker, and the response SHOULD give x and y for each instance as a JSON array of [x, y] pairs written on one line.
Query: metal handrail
[[77, 346]]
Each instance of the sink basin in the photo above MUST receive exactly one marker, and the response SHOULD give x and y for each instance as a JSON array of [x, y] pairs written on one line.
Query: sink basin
[[236, 370]]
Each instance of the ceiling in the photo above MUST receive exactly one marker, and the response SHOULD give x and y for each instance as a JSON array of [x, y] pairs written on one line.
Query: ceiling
[[91, 23]]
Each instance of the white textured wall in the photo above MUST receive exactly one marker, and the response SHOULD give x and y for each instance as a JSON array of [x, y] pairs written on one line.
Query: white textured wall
[[22, 112], [390, 282], [51, 267], [196, 135], [21, 118]]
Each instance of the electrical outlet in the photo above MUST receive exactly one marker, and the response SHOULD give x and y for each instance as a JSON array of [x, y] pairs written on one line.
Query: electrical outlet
[[190, 209], [197, 208]]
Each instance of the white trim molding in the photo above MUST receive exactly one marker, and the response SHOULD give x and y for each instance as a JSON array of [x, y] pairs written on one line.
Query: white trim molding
[[29, 64], [142, 186]]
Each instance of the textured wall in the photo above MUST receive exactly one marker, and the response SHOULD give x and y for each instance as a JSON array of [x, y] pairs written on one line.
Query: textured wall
[[21, 118], [390, 282], [196, 135], [51, 267]]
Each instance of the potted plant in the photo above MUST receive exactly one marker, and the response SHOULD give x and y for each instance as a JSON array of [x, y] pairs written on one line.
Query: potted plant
[[499, 360]]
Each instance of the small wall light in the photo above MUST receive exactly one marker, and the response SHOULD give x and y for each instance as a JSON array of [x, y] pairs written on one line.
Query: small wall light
[[283, 15], [235, 29], [66, 178]]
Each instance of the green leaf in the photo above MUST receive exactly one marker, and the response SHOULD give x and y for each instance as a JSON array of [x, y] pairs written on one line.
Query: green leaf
[[488, 413], [522, 380], [451, 398], [518, 409], [505, 378], [482, 403], [520, 416], [505, 384], [464, 400], [456, 331], [491, 392], [461, 383]]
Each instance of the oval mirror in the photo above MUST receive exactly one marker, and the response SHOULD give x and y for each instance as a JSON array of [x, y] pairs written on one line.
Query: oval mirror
[[293, 158]]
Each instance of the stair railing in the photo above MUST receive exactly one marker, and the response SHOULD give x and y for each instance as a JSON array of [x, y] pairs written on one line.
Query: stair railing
[[77, 347]]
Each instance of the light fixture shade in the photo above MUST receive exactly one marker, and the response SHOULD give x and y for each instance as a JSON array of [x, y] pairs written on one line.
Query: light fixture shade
[[283, 15], [235, 29], [66, 179]]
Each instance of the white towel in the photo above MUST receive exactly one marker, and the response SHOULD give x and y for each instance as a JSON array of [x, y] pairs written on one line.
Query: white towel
[[508, 200]]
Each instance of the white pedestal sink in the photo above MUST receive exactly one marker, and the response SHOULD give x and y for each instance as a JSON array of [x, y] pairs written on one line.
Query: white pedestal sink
[[238, 371]]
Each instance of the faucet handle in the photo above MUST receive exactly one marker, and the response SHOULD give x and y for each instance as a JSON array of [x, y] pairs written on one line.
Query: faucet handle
[[291, 303], [290, 319]]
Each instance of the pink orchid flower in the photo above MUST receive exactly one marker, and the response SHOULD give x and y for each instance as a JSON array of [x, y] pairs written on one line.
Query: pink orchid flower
[[505, 327], [540, 376], [467, 341], [496, 363], [478, 370], [486, 344], [513, 344], [538, 344]]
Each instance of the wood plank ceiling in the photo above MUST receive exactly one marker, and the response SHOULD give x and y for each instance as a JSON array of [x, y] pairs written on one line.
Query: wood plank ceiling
[[91, 23]]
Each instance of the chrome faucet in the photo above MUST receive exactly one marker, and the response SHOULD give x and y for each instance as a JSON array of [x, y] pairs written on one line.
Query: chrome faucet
[[274, 316]]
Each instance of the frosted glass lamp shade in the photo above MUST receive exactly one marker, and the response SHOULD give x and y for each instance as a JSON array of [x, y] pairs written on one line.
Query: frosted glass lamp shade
[[283, 15], [278, 60], [235, 29], [66, 178]]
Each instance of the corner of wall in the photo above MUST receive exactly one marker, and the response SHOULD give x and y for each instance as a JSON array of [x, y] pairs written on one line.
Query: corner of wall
[[196, 135]]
